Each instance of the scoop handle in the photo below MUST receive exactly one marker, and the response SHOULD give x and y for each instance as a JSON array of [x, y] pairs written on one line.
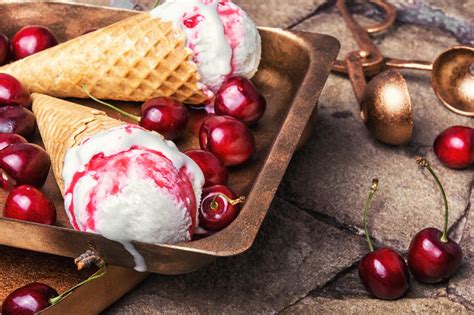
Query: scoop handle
[[356, 74]]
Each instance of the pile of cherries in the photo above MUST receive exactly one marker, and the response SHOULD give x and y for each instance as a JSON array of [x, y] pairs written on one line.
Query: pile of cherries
[[24, 166], [225, 141], [433, 257]]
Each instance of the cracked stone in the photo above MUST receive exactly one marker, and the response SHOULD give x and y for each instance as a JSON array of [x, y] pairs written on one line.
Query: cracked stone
[[277, 13], [373, 306], [461, 285], [453, 16], [293, 254], [331, 174]]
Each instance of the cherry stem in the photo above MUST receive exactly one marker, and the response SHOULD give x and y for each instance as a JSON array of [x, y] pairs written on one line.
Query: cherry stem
[[373, 189], [59, 298], [233, 202], [121, 111], [424, 162], [156, 3]]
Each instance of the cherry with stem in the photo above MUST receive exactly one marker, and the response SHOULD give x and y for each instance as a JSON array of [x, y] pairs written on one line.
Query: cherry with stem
[[383, 272], [161, 114], [434, 257]]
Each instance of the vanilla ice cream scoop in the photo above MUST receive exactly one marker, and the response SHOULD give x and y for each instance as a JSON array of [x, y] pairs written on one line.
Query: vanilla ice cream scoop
[[224, 39], [129, 184]]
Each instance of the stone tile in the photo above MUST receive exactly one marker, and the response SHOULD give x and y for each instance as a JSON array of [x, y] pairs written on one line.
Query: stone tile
[[332, 173], [277, 13], [294, 253], [372, 306], [453, 16], [461, 285]]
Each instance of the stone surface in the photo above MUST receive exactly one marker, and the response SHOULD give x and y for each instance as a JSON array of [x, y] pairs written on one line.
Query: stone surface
[[461, 287], [294, 254], [278, 13], [366, 306], [453, 16], [331, 175]]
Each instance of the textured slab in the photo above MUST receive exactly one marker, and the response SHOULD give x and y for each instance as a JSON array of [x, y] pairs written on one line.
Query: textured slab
[[331, 175], [371, 306], [278, 13], [294, 254], [461, 287]]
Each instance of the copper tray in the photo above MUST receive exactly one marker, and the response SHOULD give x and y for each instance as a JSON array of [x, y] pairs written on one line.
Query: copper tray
[[292, 74]]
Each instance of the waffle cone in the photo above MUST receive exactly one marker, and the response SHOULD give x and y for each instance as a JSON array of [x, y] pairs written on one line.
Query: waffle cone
[[132, 60], [64, 124]]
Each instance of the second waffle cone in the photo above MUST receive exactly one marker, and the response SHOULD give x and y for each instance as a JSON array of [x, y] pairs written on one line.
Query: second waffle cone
[[132, 60], [63, 125]]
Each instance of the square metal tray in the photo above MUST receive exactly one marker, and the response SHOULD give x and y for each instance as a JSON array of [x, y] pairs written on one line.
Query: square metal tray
[[293, 71]]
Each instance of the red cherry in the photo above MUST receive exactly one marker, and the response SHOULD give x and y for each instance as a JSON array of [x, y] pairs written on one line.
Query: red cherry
[[455, 147], [17, 119], [228, 139], [434, 257], [239, 98], [214, 170], [383, 272], [5, 50], [12, 92], [32, 39], [161, 114], [29, 299], [24, 163], [164, 115], [432, 260], [10, 138], [219, 207], [29, 204]]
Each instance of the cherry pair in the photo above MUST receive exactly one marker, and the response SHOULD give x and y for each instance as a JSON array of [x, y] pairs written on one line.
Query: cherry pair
[[14, 103], [27, 41], [432, 256]]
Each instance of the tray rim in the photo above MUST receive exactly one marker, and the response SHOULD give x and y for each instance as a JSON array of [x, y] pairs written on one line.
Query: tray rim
[[305, 99]]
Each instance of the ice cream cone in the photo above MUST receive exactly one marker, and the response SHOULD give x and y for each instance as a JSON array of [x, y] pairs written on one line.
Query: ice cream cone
[[64, 124], [132, 60]]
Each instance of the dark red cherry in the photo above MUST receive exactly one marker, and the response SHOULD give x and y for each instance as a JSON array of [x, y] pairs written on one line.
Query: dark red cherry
[[228, 139], [9, 138], [164, 115], [24, 163], [12, 92], [454, 147], [214, 170], [17, 119], [219, 207], [239, 98], [5, 50], [32, 39], [434, 257], [432, 260], [29, 204], [384, 274], [30, 299]]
